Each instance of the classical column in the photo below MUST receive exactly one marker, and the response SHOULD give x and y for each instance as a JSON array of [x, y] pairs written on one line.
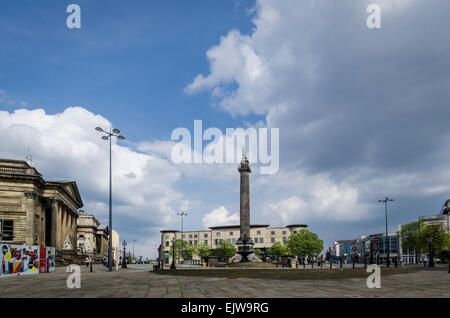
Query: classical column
[[54, 232], [30, 217], [244, 170]]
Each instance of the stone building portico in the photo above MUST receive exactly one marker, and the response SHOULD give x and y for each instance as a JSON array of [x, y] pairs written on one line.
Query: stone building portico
[[34, 211]]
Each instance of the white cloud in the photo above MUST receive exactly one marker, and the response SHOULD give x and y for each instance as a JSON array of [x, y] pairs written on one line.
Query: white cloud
[[220, 216], [66, 146]]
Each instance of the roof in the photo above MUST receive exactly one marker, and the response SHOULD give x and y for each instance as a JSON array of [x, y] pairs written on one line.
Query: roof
[[297, 225], [236, 226]]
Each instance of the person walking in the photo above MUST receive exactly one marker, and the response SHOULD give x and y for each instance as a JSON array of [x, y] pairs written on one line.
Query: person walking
[[87, 261]]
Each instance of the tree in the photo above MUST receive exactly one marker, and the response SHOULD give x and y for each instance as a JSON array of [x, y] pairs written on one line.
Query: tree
[[304, 243], [225, 250], [440, 239], [277, 250], [410, 237], [259, 254], [188, 250], [203, 251]]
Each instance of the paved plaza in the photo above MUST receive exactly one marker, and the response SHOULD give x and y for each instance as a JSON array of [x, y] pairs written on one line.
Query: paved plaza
[[139, 281]]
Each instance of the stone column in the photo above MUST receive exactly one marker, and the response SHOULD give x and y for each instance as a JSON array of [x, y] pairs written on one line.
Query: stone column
[[244, 170], [55, 211], [30, 198]]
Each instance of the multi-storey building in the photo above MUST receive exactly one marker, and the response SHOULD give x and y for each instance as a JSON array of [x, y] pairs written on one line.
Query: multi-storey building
[[263, 236]]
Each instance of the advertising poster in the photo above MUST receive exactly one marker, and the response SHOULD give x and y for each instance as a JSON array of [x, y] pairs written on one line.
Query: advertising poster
[[19, 259], [51, 264], [42, 259]]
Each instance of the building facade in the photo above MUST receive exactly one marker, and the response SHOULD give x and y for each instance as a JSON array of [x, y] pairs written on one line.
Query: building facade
[[376, 246], [263, 237], [34, 211]]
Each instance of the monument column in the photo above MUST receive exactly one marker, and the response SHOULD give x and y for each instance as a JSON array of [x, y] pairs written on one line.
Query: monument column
[[245, 243]]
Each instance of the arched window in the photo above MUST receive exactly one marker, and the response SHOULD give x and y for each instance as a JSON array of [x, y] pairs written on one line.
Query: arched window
[[81, 240]]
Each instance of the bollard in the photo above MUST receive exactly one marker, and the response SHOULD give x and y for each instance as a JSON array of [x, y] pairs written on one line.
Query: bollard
[[304, 264], [395, 262], [331, 263], [321, 263], [424, 264], [312, 264], [341, 262], [90, 266], [353, 260], [365, 262]]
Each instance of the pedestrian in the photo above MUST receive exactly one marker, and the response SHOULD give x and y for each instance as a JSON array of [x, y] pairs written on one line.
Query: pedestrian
[[87, 261], [91, 260]]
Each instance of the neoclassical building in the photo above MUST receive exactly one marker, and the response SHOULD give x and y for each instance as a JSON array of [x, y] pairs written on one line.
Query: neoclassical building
[[263, 236], [34, 211]]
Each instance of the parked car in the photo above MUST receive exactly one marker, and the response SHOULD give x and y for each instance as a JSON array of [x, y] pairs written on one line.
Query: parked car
[[435, 259]]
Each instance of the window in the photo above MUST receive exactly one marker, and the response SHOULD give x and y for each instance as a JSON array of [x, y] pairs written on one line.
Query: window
[[220, 240], [284, 239], [272, 233], [256, 240], [229, 240], [272, 240], [295, 232], [7, 230], [284, 232], [258, 232], [167, 243], [195, 242], [218, 234], [233, 240], [261, 240], [190, 235], [216, 241], [205, 235], [190, 242], [184, 235], [206, 241], [195, 235], [167, 237], [231, 233], [81, 241]]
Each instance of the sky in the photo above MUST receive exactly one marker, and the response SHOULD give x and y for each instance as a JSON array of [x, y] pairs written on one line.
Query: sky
[[362, 113]]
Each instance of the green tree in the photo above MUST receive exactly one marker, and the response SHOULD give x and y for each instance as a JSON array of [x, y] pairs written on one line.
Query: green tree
[[203, 251], [225, 249], [259, 253], [187, 250], [277, 250], [304, 243], [440, 240], [410, 236]]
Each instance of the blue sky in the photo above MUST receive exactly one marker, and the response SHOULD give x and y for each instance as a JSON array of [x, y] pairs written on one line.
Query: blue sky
[[362, 112]]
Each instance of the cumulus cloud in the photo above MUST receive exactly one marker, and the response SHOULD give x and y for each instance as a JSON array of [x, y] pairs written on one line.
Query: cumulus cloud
[[65, 146], [220, 216], [362, 113]]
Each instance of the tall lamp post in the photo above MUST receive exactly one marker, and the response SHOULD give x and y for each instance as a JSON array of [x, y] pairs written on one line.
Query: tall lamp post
[[133, 248], [124, 256], [182, 214], [388, 245], [173, 254], [108, 136]]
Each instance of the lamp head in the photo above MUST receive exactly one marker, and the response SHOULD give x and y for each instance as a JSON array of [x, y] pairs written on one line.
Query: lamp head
[[98, 129], [121, 137], [105, 138], [116, 131]]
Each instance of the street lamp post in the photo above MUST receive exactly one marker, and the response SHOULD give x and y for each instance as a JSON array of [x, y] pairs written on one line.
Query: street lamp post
[[124, 258], [108, 136], [387, 243], [182, 214], [173, 254], [430, 258], [133, 248]]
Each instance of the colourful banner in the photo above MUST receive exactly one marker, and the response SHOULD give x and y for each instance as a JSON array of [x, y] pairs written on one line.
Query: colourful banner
[[25, 259]]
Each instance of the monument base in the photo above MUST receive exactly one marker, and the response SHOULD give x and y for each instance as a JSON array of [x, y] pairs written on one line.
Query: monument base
[[245, 248]]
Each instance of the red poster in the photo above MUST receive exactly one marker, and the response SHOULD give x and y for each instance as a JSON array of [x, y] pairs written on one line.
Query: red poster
[[42, 259]]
